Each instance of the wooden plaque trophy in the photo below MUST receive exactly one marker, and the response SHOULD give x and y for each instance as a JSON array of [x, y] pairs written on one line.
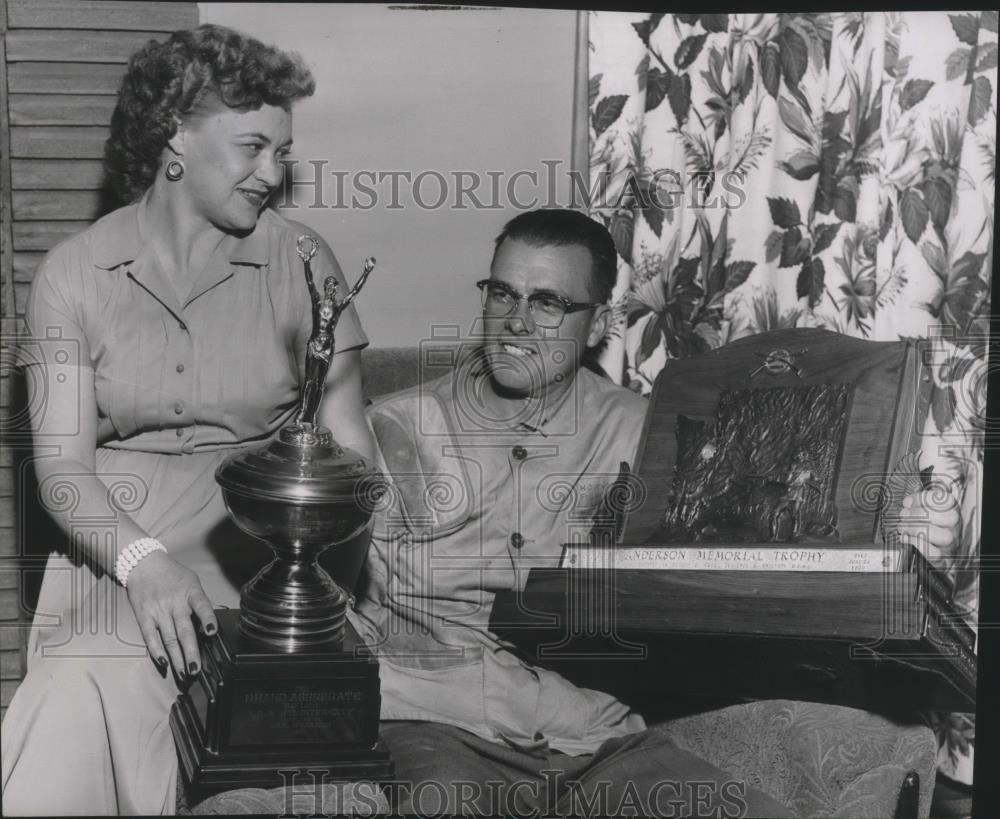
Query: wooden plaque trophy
[[760, 461], [283, 687]]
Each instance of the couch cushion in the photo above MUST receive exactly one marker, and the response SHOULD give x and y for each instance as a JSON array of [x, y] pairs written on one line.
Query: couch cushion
[[336, 799], [819, 760], [388, 369]]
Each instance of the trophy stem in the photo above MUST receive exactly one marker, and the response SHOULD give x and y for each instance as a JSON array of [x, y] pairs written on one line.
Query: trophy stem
[[293, 605]]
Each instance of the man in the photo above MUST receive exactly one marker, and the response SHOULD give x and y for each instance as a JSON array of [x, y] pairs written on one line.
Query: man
[[492, 467]]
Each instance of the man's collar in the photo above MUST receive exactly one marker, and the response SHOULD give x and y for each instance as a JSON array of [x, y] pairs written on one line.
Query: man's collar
[[558, 417], [120, 239]]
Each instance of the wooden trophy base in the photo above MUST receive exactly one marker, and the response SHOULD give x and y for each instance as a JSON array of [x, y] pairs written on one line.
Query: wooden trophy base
[[255, 719]]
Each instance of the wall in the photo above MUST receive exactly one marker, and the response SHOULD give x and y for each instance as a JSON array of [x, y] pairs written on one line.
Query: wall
[[441, 90]]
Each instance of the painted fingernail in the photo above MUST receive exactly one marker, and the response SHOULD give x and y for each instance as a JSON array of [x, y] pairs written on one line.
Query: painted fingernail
[[210, 628], [193, 668], [161, 662]]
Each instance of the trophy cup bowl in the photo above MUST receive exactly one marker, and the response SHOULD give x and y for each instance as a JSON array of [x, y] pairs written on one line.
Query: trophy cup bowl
[[301, 494]]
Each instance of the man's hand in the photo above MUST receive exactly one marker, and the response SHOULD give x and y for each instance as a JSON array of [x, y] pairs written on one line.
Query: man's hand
[[931, 520], [164, 594]]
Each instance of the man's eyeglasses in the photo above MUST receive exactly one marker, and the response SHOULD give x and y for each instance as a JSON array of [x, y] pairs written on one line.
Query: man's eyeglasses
[[547, 309]]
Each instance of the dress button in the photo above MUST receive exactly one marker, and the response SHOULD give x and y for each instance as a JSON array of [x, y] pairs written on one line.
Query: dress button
[[516, 540], [180, 432], [519, 452], [180, 368], [178, 408]]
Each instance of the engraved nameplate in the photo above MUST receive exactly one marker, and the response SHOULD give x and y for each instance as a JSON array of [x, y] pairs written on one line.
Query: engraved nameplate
[[755, 557], [300, 712]]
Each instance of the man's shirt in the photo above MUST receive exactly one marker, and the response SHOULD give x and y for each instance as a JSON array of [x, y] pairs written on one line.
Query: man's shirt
[[476, 502]]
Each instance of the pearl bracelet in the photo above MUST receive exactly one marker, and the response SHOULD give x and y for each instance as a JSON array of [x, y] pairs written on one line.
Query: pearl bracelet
[[130, 556]]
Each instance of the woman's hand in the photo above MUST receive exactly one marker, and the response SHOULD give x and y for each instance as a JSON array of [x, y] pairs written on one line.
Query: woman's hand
[[931, 520], [164, 594]]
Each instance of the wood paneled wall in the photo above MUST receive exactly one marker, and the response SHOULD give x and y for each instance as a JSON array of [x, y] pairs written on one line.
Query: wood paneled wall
[[62, 61]]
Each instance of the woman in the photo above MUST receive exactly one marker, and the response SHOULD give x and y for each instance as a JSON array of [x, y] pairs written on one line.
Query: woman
[[189, 315]]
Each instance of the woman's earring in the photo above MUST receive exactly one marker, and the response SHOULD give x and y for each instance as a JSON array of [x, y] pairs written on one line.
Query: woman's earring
[[174, 170]]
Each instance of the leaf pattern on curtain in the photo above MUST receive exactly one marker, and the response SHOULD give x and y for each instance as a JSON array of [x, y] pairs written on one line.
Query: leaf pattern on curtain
[[823, 169]]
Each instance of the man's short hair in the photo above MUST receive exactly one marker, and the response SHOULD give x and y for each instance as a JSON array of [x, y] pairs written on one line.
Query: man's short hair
[[559, 227]]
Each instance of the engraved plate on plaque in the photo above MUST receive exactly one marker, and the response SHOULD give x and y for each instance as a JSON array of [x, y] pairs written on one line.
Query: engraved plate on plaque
[[307, 712]]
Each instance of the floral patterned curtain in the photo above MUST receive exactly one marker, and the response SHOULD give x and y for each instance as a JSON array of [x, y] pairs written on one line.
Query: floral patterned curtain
[[835, 170]]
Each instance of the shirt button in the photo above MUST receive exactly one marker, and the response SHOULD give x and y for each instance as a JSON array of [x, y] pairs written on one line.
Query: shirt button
[[180, 368], [519, 452], [516, 540], [178, 408], [180, 432]]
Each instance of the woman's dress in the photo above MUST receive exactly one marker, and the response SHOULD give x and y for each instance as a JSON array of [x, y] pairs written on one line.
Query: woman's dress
[[180, 382]]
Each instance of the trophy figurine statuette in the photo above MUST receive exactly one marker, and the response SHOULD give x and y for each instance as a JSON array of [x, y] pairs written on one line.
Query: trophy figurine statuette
[[283, 687]]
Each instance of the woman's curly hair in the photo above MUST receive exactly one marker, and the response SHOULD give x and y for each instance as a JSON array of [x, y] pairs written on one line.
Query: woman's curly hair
[[167, 80]]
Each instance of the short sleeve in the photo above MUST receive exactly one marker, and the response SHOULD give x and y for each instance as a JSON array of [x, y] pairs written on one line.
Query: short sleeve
[[55, 332]]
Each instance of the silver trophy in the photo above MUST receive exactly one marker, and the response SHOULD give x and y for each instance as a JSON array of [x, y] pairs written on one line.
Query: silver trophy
[[286, 683]]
